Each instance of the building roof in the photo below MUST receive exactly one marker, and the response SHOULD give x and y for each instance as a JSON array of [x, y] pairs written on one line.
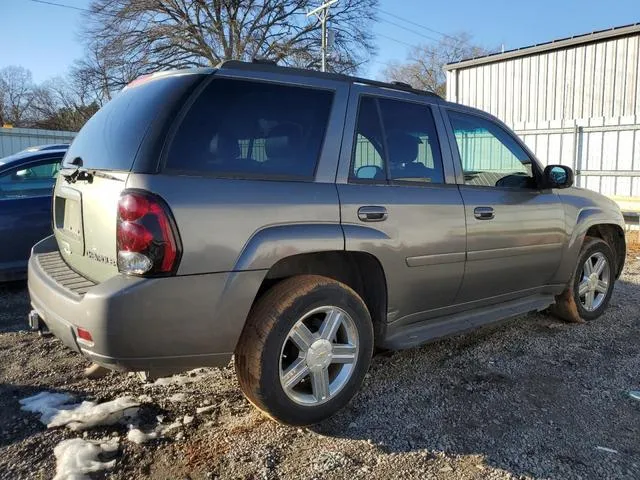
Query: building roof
[[558, 44]]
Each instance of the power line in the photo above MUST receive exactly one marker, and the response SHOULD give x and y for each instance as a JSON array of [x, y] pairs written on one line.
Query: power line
[[55, 4], [410, 30], [395, 40], [416, 24]]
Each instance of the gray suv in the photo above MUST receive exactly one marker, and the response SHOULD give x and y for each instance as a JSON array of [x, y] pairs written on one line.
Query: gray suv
[[299, 220]]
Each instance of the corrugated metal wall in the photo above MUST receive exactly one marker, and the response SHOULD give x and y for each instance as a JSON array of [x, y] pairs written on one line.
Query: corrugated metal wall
[[13, 140], [579, 106]]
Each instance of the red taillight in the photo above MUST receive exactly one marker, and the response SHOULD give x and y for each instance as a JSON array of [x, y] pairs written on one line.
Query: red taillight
[[132, 207], [84, 334], [146, 236], [133, 237]]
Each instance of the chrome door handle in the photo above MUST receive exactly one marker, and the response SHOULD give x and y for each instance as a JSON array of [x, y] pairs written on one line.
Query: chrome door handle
[[483, 213], [372, 213]]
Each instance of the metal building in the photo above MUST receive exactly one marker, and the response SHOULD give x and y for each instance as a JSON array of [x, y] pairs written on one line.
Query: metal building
[[13, 140], [574, 101]]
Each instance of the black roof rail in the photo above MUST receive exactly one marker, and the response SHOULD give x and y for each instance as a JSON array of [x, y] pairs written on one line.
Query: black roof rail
[[263, 61], [270, 66], [401, 84]]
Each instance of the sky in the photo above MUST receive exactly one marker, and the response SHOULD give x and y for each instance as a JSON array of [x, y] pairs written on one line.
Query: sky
[[46, 39]]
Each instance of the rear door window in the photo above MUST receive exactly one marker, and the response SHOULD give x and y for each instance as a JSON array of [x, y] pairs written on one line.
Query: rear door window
[[396, 141], [249, 129]]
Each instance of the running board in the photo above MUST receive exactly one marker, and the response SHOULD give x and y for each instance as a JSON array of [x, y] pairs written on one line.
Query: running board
[[414, 334]]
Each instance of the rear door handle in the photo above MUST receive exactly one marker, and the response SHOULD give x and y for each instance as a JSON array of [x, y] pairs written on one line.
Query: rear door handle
[[372, 213], [483, 213]]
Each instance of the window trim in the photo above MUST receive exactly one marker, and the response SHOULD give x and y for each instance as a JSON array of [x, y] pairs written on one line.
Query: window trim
[[388, 180], [202, 88], [536, 168]]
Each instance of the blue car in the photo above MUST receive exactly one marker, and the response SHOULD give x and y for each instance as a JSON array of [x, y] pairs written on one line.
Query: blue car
[[26, 184]]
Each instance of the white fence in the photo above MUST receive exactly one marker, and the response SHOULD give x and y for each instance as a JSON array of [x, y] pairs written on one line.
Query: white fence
[[604, 152], [13, 140]]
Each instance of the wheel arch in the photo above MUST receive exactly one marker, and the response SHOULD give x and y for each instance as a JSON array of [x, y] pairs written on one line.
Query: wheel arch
[[613, 234], [361, 271]]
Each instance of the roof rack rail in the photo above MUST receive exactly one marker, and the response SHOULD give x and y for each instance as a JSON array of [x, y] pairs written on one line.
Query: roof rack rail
[[270, 66], [401, 84], [263, 61]]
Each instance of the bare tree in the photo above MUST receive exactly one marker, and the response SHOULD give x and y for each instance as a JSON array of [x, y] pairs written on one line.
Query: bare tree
[[424, 66], [127, 38], [60, 105], [16, 87]]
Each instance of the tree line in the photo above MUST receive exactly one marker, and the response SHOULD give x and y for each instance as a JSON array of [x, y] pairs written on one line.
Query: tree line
[[125, 39]]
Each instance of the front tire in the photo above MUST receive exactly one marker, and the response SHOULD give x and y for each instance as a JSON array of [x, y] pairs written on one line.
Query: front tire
[[305, 349], [593, 280]]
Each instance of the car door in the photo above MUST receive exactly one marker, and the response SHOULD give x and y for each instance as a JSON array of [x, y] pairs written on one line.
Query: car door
[[515, 229], [399, 201], [25, 209]]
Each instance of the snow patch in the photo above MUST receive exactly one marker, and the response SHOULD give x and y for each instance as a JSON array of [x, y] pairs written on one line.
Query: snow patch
[[47, 404], [77, 457], [191, 376], [139, 437], [177, 398], [55, 411], [187, 419], [205, 409], [171, 427]]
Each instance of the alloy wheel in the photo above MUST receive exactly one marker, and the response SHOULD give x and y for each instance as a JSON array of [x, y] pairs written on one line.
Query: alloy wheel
[[594, 281], [318, 355]]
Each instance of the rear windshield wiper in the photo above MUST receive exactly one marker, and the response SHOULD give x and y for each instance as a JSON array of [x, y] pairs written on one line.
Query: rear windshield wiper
[[79, 173]]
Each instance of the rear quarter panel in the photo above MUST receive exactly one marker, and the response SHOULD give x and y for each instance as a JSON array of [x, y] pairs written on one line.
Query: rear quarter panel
[[219, 219]]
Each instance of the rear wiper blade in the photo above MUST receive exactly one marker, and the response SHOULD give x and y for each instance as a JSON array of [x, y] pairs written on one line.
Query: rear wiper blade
[[78, 174]]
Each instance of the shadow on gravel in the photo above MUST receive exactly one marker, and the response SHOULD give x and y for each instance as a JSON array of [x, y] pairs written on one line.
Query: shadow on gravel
[[17, 425], [533, 397], [14, 306]]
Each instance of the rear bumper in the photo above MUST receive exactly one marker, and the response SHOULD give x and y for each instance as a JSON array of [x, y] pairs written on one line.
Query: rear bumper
[[160, 324]]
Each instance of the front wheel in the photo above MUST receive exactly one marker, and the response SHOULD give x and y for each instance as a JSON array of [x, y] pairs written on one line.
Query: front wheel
[[594, 278], [305, 349]]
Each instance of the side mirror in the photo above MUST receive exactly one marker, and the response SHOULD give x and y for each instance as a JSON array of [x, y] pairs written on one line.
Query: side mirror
[[558, 176], [368, 172]]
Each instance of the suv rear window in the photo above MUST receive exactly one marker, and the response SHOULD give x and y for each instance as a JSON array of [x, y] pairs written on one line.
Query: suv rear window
[[252, 129], [111, 138]]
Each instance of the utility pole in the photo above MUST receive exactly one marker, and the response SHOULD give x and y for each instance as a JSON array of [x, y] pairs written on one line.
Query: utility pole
[[322, 12]]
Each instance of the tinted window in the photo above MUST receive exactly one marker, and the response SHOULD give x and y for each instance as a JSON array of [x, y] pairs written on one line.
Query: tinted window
[[250, 129], [398, 137], [490, 156], [29, 180], [111, 138]]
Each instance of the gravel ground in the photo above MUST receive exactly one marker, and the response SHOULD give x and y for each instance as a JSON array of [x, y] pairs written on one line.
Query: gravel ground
[[532, 398]]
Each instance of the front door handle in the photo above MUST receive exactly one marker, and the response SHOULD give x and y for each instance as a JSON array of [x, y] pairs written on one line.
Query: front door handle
[[483, 213], [372, 213]]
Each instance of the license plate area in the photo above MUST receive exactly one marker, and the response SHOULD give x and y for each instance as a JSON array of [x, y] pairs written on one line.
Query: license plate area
[[68, 220]]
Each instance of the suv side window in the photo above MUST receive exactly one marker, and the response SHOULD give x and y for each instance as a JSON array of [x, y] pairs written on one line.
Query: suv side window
[[396, 140], [250, 129], [32, 181], [490, 156]]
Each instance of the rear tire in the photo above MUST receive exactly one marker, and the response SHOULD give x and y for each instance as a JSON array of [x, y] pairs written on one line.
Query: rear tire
[[305, 349]]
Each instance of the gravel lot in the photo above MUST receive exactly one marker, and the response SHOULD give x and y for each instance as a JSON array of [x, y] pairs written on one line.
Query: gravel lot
[[532, 398]]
